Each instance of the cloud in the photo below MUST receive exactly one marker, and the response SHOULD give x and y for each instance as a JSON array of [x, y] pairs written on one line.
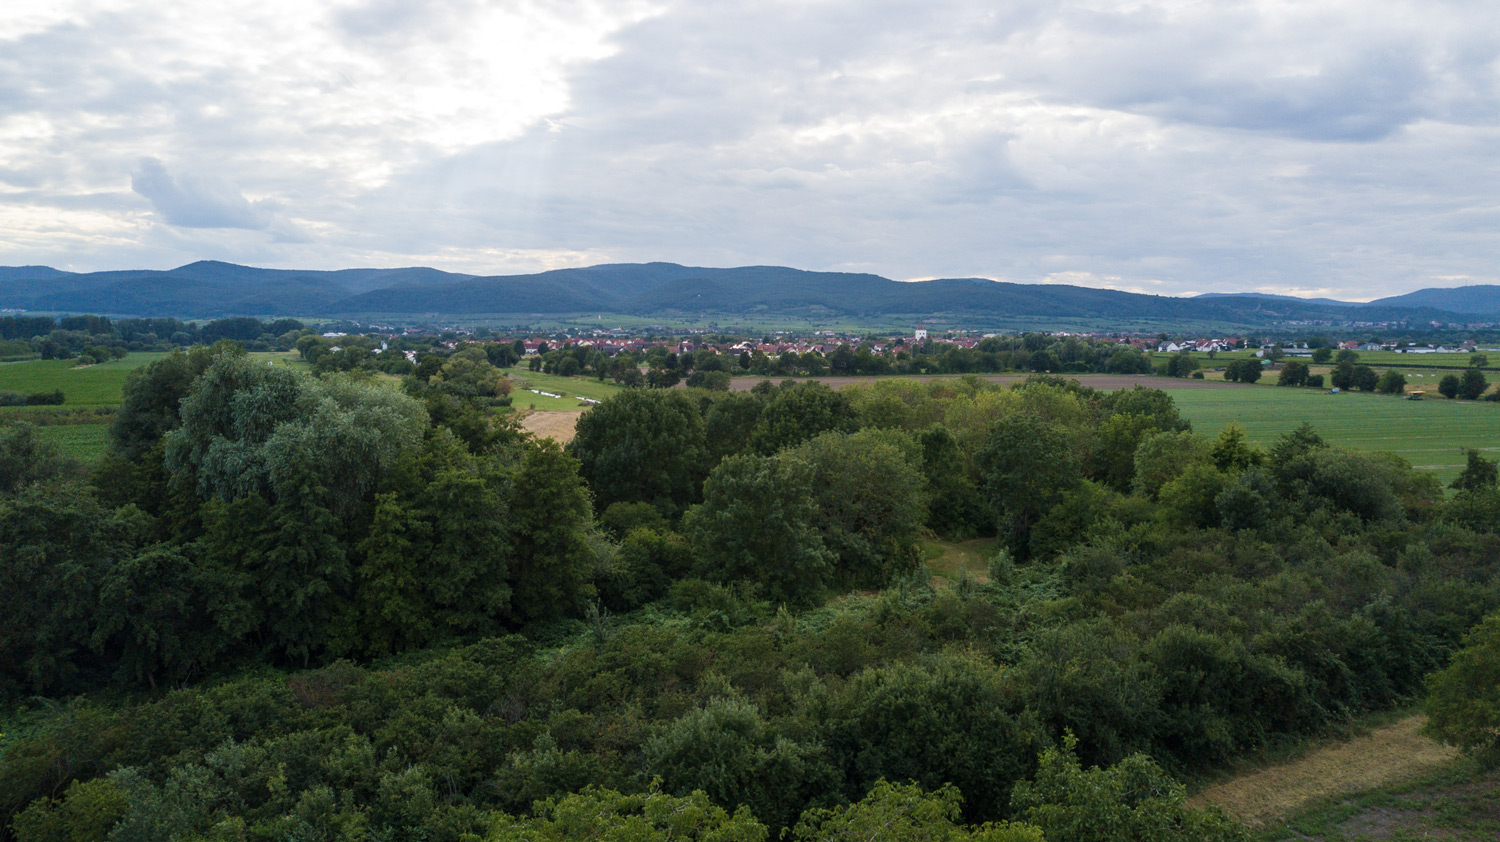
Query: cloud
[[192, 202], [1341, 145]]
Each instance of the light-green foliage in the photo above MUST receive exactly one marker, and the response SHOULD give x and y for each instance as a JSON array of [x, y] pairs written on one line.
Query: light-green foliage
[[905, 813], [1132, 800], [248, 428], [86, 812], [1163, 456], [608, 816]]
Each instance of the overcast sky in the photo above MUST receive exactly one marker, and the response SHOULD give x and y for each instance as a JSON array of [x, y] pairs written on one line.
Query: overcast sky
[[1317, 147]]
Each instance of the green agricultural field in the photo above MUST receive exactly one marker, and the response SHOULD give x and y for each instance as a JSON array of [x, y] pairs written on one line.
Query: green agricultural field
[[83, 386], [571, 389], [1430, 433], [291, 359], [84, 442]]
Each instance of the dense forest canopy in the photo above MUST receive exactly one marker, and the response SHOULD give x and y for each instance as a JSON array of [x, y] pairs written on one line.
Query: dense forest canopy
[[310, 606]]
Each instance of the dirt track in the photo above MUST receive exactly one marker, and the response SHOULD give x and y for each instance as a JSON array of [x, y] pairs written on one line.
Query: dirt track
[[1093, 381]]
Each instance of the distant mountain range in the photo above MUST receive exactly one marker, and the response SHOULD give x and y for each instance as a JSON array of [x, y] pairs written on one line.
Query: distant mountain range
[[209, 289]]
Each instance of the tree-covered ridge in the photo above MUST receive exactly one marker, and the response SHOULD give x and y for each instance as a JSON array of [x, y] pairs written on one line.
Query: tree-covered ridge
[[292, 606], [211, 289]]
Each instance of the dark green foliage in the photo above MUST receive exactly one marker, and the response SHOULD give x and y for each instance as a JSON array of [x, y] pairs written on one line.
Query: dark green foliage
[[1261, 597], [727, 750], [757, 522], [25, 458], [1293, 374], [870, 499], [956, 509], [648, 563], [1134, 800], [549, 510], [1463, 701], [642, 446], [1181, 365], [1027, 464], [285, 567], [436, 556], [1449, 386], [943, 721], [1243, 371], [1472, 384], [1245, 503], [56, 543], [155, 616], [799, 411], [729, 423], [1479, 473], [623, 518], [53, 398], [153, 397], [1392, 382]]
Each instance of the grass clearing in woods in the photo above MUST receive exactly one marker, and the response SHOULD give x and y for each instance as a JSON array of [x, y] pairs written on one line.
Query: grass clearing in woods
[[84, 442], [1456, 803], [951, 559], [1387, 755]]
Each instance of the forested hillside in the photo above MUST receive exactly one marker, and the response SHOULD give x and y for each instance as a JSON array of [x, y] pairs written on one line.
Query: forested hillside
[[661, 290], [292, 607]]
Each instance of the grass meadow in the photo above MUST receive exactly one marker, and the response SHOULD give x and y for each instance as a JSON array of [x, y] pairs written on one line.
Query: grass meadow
[[570, 388], [83, 386], [84, 442], [1430, 433]]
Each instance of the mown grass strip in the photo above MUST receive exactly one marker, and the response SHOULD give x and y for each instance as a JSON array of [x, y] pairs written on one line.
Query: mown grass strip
[[1388, 755]]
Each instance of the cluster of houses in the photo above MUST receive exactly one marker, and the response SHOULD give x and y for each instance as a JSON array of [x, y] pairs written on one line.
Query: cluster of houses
[[823, 343], [616, 342], [1296, 349]]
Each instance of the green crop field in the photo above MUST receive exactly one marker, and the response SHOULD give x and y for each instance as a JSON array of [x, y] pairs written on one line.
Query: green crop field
[[84, 442], [571, 389], [1430, 433], [291, 359], [93, 385]]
